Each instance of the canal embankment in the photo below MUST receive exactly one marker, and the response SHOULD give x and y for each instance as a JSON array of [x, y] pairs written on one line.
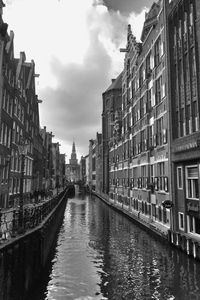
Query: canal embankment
[[24, 256], [186, 243]]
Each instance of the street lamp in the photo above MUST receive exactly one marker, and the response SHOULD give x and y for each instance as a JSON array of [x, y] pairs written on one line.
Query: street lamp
[[22, 148]]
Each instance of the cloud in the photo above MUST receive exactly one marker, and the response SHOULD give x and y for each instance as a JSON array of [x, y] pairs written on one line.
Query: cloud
[[75, 45], [127, 6], [77, 99]]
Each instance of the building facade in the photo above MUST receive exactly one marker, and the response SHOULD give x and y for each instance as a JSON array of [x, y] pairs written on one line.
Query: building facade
[[112, 100], [184, 58], [47, 159], [7, 86], [99, 163], [139, 160], [20, 123], [87, 170], [92, 165], [83, 169]]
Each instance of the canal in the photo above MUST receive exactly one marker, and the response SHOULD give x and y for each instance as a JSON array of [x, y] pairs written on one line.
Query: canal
[[100, 254]]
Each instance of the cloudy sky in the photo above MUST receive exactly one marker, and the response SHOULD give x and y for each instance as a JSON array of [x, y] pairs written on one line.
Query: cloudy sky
[[75, 45]]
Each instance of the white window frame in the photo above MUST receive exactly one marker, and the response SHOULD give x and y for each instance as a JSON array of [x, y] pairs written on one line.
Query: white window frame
[[178, 183], [179, 221], [186, 178], [193, 224]]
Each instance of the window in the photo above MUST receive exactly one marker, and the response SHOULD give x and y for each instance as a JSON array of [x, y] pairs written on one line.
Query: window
[[158, 89], [160, 131], [1, 133], [142, 141], [193, 224], [142, 107], [192, 182], [161, 172], [157, 52], [181, 220], [141, 78], [190, 223], [148, 65], [152, 173], [143, 173], [195, 116], [179, 177]]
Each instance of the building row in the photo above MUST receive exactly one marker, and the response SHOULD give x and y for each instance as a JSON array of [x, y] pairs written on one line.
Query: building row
[[147, 158], [20, 126]]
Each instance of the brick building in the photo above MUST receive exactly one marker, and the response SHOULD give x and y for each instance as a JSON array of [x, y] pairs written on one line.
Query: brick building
[[7, 88], [83, 169], [184, 72], [19, 121], [96, 163], [112, 100], [139, 159], [47, 158]]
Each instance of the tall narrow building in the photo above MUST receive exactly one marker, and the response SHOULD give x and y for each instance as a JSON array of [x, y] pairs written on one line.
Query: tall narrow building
[[184, 57], [73, 168]]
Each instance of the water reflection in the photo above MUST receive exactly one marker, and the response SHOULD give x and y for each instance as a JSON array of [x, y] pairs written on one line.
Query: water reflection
[[102, 255]]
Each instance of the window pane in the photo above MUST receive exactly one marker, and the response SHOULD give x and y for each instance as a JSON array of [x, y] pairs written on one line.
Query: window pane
[[192, 172], [180, 183], [190, 188], [196, 188], [191, 223]]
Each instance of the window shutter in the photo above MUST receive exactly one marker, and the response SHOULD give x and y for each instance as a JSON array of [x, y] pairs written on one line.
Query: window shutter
[[192, 172]]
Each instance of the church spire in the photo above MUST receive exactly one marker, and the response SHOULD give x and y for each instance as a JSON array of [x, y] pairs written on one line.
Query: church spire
[[73, 159], [73, 148]]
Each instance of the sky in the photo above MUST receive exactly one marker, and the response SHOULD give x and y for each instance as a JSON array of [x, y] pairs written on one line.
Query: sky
[[75, 46]]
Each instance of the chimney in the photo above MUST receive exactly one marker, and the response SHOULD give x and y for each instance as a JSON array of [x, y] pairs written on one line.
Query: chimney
[[113, 80]]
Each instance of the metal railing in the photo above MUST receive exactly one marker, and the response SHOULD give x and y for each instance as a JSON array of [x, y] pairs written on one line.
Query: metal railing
[[33, 215]]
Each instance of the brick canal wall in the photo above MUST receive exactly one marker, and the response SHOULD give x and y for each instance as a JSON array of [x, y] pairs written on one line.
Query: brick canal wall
[[23, 258]]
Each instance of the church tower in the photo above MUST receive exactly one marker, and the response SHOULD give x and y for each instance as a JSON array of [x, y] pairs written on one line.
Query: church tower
[[73, 160], [73, 168]]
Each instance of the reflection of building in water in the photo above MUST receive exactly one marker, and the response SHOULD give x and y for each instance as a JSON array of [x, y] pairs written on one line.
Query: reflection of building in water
[[73, 168]]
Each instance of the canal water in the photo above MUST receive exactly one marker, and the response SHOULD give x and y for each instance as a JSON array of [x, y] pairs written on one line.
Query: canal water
[[100, 254]]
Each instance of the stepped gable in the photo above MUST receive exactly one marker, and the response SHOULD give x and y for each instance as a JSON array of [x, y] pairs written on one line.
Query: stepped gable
[[150, 19]]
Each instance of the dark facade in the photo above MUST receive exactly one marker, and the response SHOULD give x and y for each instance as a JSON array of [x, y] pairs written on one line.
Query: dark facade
[[47, 158], [112, 100], [7, 89], [184, 50], [99, 165], [19, 121], [83, 169]]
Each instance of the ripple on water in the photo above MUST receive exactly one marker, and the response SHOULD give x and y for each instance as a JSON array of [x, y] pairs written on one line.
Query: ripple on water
[[102, 255]]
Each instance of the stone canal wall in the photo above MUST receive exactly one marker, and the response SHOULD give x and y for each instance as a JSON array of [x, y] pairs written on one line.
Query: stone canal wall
[[23, 258], [184, 242]]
